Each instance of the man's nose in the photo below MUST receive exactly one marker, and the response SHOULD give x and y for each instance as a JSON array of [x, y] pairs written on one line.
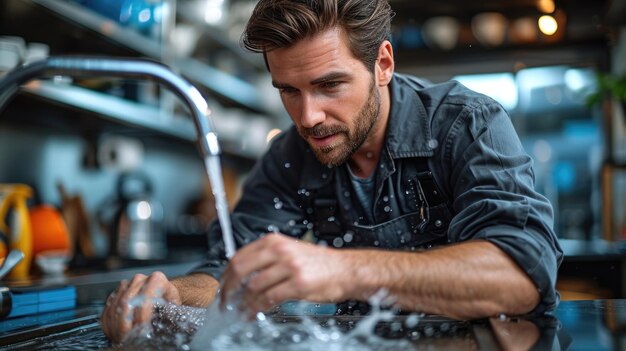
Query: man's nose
[[312, 112]]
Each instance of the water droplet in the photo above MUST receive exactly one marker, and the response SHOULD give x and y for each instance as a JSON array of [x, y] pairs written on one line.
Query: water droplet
[[291, 222], [347, 237], [386, 199], [331, 219], [305, 222], [338, 242], [276, 200], [412, 320], [296, 338], [260, 316], [376, 243], [272, 229], [433, 144], [502, 317], [429, 331], [346, 193], [307, 194], [387, 209], [278, 205], [309, 226], [287, 165]]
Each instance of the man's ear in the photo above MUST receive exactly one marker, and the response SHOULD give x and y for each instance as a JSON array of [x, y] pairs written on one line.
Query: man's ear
[[384, 64]]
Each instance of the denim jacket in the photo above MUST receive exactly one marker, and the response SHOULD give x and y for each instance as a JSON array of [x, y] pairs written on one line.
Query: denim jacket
[[453, 169]]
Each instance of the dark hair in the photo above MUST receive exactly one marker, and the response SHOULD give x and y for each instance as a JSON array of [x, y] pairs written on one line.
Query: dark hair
[[281, 23]]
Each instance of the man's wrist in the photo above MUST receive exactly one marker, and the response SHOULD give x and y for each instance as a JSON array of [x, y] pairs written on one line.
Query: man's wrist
[[360, 277]]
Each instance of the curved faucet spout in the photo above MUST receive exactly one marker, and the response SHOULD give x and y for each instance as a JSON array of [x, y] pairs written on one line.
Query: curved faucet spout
[[141, 69], [123, 68]]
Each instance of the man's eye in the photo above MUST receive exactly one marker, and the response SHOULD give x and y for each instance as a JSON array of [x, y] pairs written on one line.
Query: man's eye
[[287, 90], [330, 85]]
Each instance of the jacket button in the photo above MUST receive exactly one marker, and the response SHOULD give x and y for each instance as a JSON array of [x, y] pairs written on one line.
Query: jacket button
[[438, 223]]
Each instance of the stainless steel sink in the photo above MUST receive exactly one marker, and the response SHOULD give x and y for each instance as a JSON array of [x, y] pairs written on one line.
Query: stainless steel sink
[[76, 329]]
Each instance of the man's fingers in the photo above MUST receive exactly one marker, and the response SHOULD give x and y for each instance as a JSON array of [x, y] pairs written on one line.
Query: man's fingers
[[267, 278], [153, 287], [240, 269], [272, 297], [252, 258], [114, 325]]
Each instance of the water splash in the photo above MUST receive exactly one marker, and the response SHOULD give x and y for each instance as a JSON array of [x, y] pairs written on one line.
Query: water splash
[[214, 170], [229, 329], [186, 328]]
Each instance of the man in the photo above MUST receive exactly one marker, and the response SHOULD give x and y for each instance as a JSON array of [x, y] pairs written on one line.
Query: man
[[426, 188]]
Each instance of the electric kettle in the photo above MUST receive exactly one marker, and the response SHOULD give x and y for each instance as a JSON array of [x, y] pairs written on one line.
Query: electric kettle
[[138, 228]]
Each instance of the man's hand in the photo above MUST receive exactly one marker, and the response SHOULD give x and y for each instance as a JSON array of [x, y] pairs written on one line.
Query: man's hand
[[116, 320], [277, 268]]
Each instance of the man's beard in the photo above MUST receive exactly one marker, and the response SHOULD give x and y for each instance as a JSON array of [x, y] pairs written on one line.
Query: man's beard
[[340, 152]]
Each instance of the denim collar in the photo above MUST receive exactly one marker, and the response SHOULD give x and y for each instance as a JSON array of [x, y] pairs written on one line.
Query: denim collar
[[408, 129]]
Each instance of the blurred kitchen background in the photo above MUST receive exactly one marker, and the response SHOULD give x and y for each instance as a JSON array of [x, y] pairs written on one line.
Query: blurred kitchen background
[[103, 149]]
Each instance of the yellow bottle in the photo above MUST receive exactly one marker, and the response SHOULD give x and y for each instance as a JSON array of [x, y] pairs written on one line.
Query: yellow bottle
[[13, 197]]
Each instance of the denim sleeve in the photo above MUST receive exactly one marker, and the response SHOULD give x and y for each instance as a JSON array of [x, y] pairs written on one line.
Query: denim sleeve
[[494, 197], [269, 203]]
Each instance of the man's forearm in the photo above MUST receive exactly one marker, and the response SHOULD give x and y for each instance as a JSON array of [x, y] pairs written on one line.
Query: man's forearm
[[468, 280], [196, 289]]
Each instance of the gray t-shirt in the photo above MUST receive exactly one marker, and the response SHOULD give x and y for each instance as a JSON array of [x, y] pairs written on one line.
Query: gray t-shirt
[[364, 189]]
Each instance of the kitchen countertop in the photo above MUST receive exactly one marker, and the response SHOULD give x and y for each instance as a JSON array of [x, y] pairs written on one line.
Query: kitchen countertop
[[576, 325], [95, 280]]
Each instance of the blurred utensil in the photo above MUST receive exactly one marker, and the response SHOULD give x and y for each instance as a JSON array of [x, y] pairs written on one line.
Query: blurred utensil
[[13, 258]]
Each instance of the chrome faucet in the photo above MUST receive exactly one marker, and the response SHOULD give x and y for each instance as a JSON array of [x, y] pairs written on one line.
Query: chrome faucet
[[138, 69], [124, 68]]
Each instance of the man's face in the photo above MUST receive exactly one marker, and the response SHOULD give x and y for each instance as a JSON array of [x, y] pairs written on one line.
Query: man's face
[[330, 95]]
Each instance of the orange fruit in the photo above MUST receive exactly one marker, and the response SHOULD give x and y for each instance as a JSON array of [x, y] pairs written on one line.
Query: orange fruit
[[48, 229]]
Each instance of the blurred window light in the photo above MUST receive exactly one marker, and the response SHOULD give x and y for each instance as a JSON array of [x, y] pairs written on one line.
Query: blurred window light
[[214, 11], [144, 15], [546, 6], [489, 28], [581, 80], [441, 32], [542, 150], [499, 86], [523, 31], [547, 25]]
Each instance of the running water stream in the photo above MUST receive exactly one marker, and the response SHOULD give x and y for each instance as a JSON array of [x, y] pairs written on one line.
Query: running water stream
[[214, 170]]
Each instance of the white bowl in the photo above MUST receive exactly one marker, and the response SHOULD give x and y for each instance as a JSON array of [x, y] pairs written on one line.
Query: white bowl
[[52, 262]]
